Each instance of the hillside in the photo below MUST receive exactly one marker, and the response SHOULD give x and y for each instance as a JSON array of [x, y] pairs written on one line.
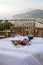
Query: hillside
[[37, 13]]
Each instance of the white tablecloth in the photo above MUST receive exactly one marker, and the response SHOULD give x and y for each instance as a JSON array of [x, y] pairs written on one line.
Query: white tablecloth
[[20, 55], [18, 37], [37, 40], [15, 58]]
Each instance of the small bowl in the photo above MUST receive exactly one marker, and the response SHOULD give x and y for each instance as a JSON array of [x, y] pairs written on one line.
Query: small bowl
[[30, 38]]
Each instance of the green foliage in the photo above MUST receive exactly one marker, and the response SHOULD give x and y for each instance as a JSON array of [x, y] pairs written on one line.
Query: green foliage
[[5, 25]]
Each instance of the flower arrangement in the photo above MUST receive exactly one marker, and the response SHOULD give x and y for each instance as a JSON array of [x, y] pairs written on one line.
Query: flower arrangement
[[14, 42]]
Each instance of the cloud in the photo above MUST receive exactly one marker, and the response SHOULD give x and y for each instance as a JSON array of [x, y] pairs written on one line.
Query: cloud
[[15, 6], [7, 9], [4, 9]]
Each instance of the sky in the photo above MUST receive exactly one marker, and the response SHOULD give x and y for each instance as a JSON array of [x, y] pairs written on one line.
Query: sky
[[9, 8]]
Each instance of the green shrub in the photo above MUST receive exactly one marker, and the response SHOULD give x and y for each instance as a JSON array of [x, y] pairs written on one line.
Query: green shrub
[[5, 25]]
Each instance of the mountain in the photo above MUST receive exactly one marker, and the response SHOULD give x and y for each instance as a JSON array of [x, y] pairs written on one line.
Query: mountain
[[37, 13]]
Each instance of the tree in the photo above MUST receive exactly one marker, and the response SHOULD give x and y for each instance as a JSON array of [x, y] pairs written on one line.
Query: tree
[[5, 25]]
